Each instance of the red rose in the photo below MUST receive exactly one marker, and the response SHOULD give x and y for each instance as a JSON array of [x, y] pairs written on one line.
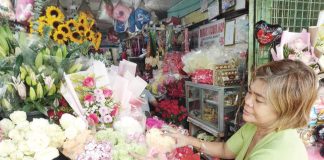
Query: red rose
[[63, 102], [51, 113], [88, 82]]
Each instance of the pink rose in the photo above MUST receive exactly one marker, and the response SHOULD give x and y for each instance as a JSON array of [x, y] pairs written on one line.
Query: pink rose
[[89, 98], [114, 112], [107, 92], [106, 119], [88, 82], [93, 119]]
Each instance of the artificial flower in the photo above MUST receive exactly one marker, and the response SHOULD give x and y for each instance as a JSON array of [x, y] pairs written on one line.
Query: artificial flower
[[76, 37], [18, 117], [59, 36], [54, 12]]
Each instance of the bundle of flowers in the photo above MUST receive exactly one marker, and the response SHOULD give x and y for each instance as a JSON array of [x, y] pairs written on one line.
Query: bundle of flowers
[[75, 30], [175, 88], [99, 106], [171, 112], [183, 153], [29, 140]]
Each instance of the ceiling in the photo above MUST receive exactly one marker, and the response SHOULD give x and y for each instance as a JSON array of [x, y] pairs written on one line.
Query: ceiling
[[69, 7]]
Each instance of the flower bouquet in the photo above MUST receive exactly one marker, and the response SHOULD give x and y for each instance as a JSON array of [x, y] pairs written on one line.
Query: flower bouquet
[[171, 112]]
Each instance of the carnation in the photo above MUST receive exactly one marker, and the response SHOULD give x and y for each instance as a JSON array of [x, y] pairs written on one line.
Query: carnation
[[18, 117], [39, 124], [37, 141]]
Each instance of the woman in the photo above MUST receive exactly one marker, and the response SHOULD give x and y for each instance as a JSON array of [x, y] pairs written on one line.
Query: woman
[[278, 101]]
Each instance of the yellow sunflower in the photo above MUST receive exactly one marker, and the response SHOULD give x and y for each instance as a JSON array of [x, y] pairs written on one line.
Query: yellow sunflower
[[71, 23], [54, 12], [64, 28], [55, 22], [40, 28], [31, 30], [42, 19], [89, 34], [76, 37], [59, 36], [98, 40], [81, 28]]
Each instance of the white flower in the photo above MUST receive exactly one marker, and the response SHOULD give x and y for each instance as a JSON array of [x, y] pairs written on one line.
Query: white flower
[[103, 111], [7, 147], [56, 135], [6, 125], [23, 126], [17, 155], [18, 117], [106, 119], [21, 88], [28, 158], [23, 147], [46, 154], [48, 81], [37, 141], [16, 136], [39, 124], [67, 120], [71, 133], [80, 124], [100, 98]]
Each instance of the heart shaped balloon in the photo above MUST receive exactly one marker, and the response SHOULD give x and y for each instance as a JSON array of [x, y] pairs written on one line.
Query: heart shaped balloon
[[266, 33]]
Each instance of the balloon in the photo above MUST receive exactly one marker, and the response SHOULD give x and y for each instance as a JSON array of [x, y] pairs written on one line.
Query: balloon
[[266, 33]]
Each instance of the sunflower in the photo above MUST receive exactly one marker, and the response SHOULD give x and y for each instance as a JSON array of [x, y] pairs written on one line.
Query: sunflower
[[42, 19], [55, 22], [31, 30], [71, 23], [40, 28], [59, 36], [98, 40], [83, 20], [89, 34], [54, 12], [81, 28], [76, 37], [65, 28]]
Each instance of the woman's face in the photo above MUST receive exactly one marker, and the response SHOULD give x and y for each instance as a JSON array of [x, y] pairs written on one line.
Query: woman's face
[[257, 109]]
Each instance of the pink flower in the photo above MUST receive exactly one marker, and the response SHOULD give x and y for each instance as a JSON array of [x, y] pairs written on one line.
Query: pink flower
[[154, 122], [93, 119], [103, 111], [89, 98], [107, 92], [115, 111], [88, 82]]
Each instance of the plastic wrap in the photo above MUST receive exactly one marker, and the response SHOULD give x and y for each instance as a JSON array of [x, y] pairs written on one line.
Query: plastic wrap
[[6, 10], [24, 10], [106, 12]]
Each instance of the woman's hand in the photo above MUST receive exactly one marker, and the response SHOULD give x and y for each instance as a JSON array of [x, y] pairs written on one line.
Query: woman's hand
[[181, 140]]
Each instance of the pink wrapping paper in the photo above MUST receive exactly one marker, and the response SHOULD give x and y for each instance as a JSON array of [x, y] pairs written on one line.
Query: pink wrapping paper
[[24, 10], [125, 66]]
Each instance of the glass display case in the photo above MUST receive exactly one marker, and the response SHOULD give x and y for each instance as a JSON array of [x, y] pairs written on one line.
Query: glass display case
[[208, 106]]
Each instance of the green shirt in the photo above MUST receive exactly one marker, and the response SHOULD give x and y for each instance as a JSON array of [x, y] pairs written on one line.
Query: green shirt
[[282, 145]]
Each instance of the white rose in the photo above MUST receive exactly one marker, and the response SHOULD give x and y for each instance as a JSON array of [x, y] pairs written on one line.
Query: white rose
[[7, 147], [56, 135], [37, 141], [71, 133], [23, 147], [23, 127], [67, 120], [28, 158], [18, 117], [39, 124], [17, 155], [46, 154], [80, 124], [15, 135], [6, 125]]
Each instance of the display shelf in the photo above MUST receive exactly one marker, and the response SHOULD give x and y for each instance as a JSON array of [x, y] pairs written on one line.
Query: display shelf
[[193, 99], [203, 125], [211, 102]]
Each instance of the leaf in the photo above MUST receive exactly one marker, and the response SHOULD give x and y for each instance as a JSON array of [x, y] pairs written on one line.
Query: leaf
[[19, 61], [41, 108], [27, 108]]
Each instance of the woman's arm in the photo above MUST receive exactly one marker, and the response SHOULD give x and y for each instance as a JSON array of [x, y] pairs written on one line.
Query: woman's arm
[[214, 149]]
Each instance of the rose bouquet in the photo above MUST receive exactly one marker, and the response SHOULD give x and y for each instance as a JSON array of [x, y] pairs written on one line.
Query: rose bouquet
[[171, 112], [98, 104]]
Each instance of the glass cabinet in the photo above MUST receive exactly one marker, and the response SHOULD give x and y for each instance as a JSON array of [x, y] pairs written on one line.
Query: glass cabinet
[[209, 106]]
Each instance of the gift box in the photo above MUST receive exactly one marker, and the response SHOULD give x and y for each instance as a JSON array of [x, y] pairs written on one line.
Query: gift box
[[204, 76], [225, 75]]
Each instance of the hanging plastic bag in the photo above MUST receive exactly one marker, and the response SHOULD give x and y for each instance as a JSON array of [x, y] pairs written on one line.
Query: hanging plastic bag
[[120, 26], [121, 12], [106, 12], [6, 10], [24, 10], [131, 22], [142, 17]]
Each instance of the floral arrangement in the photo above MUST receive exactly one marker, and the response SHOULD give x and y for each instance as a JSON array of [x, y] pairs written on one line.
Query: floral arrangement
[[97, 102], [171, 112], [175, 88], [29, 140], [76, 30]]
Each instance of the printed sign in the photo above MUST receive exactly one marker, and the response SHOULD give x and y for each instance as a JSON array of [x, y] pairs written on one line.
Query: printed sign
[[212, 34]]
